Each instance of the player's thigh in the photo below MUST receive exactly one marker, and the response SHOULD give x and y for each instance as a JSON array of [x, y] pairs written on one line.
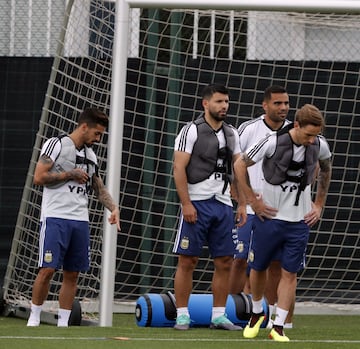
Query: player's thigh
[[53, 242], [189, 238], [266, 239], [78, 253], [220, 240], [294, 248]]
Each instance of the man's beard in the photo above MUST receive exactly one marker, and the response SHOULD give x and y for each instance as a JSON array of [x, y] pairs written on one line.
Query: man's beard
[[217, 116]]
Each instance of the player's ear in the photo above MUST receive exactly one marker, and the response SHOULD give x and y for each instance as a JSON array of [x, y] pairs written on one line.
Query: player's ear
[[264, 106], [205, 103], [84, 127], [296, 124]]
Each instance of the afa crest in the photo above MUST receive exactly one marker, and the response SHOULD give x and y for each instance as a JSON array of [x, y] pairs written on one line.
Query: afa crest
[[48, 257], [240, 246], [184, 243]]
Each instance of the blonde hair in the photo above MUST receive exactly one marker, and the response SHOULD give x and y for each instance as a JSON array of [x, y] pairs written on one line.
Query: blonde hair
[[309, 115]]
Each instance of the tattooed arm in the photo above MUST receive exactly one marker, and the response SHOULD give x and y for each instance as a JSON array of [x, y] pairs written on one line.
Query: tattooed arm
[[105, 198], [44, 176], [323, 183]]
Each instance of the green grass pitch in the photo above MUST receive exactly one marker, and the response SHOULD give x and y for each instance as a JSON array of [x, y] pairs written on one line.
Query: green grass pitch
[[309, 332]]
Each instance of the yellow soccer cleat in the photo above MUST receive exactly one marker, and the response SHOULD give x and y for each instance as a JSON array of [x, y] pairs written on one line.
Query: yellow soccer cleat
[[278, 337], [252, 331]]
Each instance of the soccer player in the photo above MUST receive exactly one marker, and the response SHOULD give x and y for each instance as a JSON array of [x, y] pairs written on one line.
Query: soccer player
[[203, 161], [276, 107], [68, 171], [284, 211]]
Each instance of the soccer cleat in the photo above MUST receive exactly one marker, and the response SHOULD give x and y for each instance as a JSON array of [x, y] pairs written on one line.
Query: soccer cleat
[[182, 322], [252, 328], [277, 334], [288, 325], [223, 323]]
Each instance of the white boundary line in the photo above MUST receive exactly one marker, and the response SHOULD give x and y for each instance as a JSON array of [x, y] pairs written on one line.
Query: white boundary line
[[140, 339]]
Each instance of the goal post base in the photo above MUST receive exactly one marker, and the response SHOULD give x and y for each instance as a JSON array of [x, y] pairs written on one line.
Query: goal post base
[[49, 317]]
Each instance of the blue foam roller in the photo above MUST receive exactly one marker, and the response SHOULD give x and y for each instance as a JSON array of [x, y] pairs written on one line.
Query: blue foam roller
[[159, 310], [155, 310], [200, 306]]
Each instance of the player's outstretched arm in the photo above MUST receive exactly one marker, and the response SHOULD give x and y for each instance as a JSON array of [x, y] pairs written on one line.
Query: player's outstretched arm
[[105, 198]]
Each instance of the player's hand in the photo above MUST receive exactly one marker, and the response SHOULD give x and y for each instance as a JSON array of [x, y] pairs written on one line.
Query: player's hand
[[267, 212], [262, 210], [313, 216], [241, 216], [79, 175], [115, 218], [189, 213]]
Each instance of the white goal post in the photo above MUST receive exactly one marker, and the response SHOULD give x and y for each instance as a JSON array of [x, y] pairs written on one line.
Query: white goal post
[[323, 6], [144, 63]]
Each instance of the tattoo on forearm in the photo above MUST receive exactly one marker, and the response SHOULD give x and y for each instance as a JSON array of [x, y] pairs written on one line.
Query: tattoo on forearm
[[324, 178], [102, 194], [54, 177], [51, 177]]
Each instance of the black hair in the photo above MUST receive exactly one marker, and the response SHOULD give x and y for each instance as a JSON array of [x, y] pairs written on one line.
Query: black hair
[[93, 117], [209, 90], [273, 89]]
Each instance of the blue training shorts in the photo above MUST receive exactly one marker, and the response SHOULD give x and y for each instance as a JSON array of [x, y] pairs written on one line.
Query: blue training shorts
[[214, 225], [243, 239], [272, 235], [64, 243]]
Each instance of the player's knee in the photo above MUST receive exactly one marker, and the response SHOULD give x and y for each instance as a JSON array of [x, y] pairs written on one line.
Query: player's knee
[[45, 274], [223, 263]]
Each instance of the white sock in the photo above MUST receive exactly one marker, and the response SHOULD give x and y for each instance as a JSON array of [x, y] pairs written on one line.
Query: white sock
[[182, 311], [34, 318], [280, 316], [63, 317], [271, 310], [257, 306], [217, 311]]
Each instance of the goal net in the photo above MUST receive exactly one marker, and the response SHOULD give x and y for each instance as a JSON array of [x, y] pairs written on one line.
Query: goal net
[[171, 55]]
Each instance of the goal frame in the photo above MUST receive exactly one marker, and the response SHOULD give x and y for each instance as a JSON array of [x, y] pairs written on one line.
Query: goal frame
[[117, 106]]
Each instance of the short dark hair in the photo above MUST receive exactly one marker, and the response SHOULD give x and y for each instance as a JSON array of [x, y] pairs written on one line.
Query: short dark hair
[[93, 117], [209, 90], [273, 89]]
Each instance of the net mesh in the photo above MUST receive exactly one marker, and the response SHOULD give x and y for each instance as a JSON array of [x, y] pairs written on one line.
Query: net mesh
[[172, 54]]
